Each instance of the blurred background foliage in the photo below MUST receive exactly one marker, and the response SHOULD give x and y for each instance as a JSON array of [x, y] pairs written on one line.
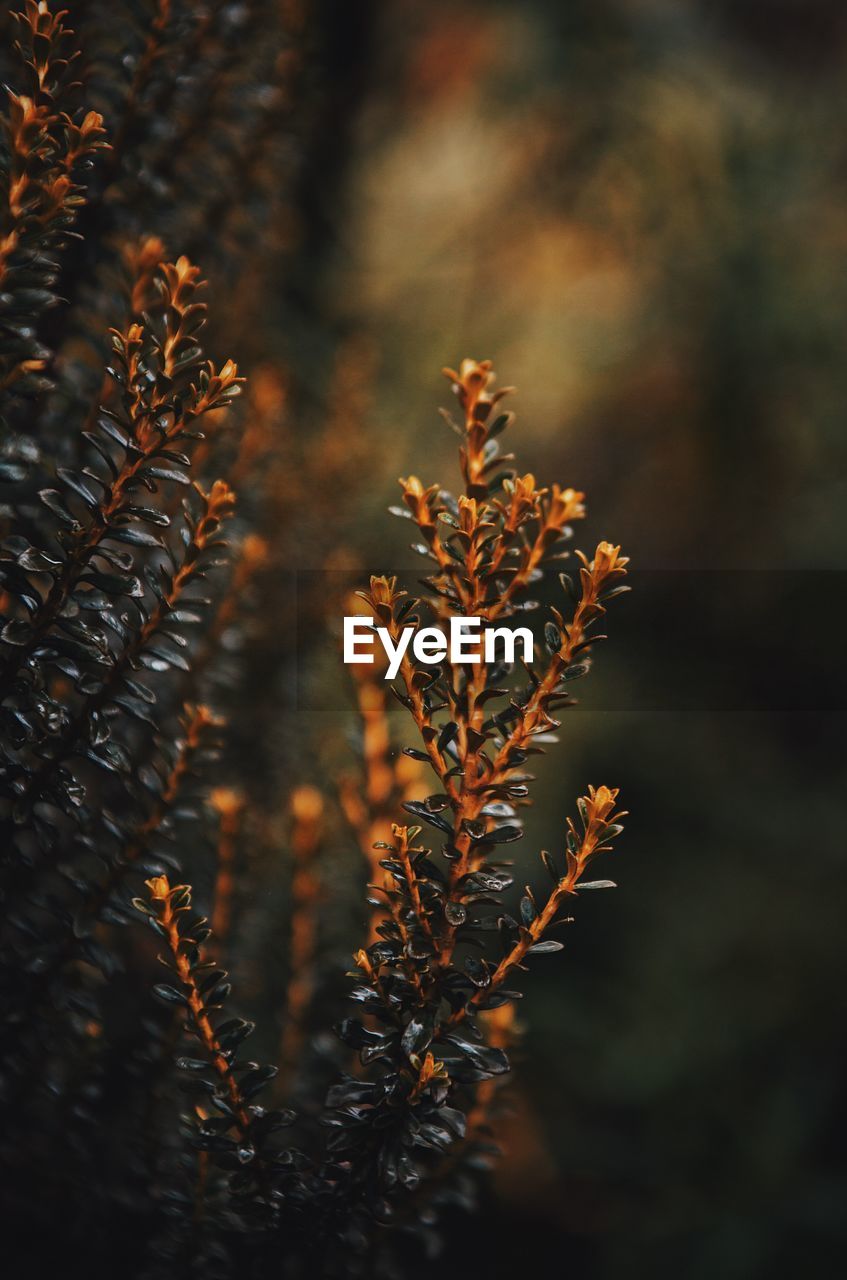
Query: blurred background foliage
[[638, 209]]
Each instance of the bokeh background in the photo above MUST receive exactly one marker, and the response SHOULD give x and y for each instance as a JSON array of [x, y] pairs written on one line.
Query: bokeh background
[[638, 210]]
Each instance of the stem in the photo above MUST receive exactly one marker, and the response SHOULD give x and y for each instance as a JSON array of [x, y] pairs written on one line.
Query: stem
[[170, 922], [601, 806], [218, 505]]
